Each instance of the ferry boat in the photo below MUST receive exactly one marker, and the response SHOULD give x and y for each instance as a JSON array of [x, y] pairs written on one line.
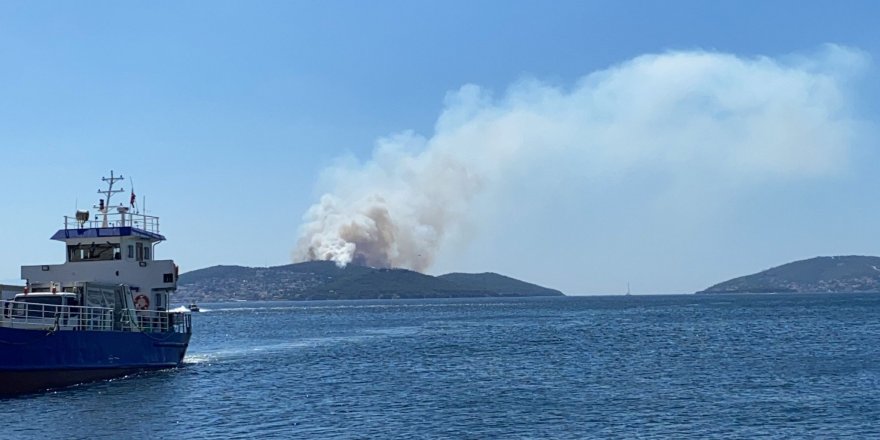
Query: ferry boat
[[102, 313]]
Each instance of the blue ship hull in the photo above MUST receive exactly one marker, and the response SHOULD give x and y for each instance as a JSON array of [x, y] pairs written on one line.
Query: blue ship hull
[[35, 360]]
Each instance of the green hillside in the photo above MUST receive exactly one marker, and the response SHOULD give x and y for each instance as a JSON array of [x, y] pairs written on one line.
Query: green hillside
[[325, 280], [499, 284], [820, 274]]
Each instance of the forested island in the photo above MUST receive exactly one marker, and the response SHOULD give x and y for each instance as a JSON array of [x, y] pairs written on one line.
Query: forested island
[[324, 280], [842, 274]]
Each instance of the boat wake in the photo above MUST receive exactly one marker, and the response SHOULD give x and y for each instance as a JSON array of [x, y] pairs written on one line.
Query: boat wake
[[243, 353], [390, 306], [187, 309]]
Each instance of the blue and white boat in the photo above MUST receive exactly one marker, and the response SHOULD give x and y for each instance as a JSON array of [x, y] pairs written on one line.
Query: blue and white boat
[[102, 313]]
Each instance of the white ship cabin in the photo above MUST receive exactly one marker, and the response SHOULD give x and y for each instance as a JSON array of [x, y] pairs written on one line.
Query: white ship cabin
[[113, 247]]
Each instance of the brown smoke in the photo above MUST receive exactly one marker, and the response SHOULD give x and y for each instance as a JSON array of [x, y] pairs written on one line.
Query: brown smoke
[[695, 113]]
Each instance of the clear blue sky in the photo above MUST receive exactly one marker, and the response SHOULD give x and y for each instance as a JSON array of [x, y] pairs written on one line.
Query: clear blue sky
[[226, 114]]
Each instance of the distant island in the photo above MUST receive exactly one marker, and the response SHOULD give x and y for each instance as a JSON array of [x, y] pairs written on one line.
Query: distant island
[[323, 280], [844, 274]]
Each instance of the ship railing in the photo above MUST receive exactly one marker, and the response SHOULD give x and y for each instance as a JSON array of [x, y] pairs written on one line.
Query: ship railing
[[51, 317], [149, 223], [20, 314], [153, 321]]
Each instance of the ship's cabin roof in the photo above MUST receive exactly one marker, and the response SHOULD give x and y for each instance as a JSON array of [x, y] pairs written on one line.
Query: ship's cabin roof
[[43, 295], [109, 223], [46, 299], [103, 233]]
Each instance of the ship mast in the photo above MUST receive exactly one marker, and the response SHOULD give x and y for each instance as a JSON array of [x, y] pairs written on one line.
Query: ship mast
[[104, 207]]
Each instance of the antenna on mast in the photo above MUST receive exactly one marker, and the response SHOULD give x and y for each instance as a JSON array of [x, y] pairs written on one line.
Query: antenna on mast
[[104, 204]]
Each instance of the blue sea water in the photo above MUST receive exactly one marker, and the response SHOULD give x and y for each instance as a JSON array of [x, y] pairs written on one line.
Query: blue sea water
[[732, 366]]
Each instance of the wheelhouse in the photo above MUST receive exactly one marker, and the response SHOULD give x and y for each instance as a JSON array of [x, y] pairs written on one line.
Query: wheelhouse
[[116, 245]]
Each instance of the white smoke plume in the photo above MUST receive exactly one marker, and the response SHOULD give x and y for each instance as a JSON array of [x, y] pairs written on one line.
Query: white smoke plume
[[736, 119]]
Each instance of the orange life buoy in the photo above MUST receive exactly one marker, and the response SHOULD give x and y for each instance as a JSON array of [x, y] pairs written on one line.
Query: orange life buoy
[[141, 302]]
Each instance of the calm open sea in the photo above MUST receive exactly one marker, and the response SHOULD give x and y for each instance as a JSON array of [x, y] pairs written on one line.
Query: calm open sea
[[737, 366]]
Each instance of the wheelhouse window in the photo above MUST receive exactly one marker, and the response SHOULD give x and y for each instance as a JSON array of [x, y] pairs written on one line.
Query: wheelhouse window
[[147, 252], [131, 251], [93, 252]]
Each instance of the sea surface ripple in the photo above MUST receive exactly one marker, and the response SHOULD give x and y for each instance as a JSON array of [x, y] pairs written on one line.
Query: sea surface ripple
[[731, 366]]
